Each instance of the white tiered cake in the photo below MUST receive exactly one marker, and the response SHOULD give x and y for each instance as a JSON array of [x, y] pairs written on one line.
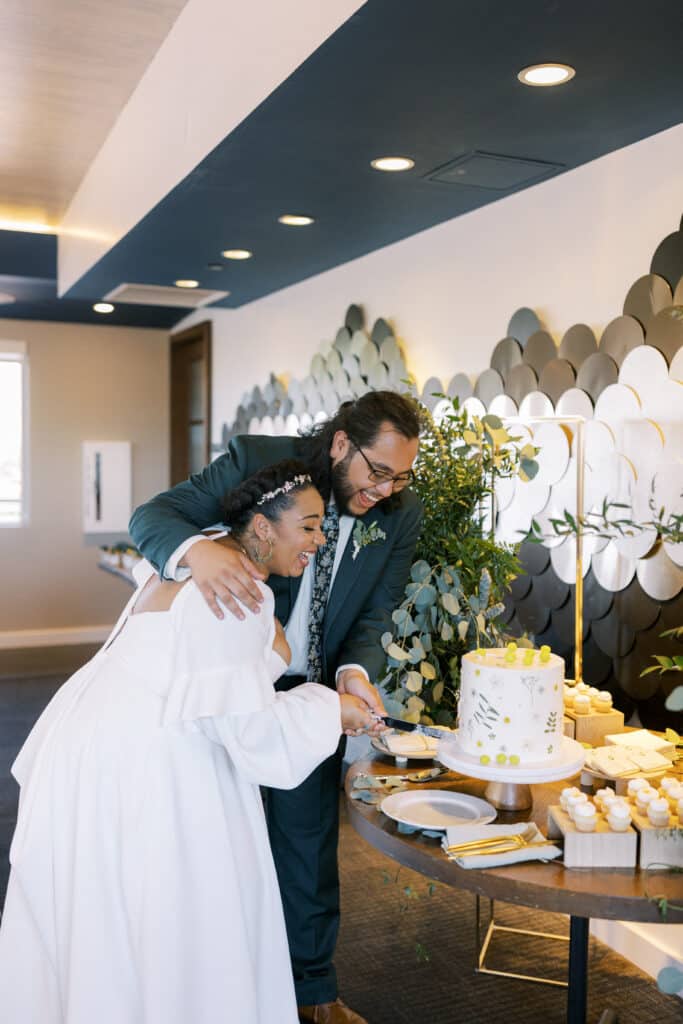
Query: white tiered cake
[[510, 707]]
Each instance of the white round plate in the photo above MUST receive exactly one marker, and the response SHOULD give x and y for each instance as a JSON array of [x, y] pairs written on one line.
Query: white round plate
[[417, 755], [436, 808], [569, 763]]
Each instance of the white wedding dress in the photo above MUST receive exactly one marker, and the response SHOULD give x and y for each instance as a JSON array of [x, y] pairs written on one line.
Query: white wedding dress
[[142, 888]]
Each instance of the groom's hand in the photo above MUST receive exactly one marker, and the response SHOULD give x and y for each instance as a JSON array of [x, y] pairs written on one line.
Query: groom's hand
[[224, 571], [350, 680]]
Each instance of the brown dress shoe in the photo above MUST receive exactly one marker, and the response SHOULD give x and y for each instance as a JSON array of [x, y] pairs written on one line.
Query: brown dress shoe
[[330, 1013]]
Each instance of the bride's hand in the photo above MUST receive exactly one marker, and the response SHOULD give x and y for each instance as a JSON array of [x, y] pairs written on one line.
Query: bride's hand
[[222, 570], [356, 716]]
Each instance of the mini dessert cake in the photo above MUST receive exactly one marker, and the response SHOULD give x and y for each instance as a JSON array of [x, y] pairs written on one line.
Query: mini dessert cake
[[603, 701], [585, 816], [510, 707], [658, 812], [619, 817]]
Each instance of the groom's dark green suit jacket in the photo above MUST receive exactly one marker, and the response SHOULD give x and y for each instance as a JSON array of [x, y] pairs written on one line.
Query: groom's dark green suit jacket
[[366, 588]]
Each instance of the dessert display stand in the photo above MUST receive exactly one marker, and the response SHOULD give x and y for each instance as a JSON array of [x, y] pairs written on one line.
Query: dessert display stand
[[508, 787]]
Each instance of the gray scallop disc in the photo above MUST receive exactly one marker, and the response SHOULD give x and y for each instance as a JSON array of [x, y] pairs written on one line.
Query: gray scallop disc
[[564, 623], [621, 336], [678, 293], [433, 387], [318, 369], [575, 402], [550, 589], [351, 364], [613, 570], [506, 354], [635, 607], [369, 357], [520, 586], [596, 600], [667, 261], [665, 332], [557, 376], [488, 385], [378, 378], [354, 318], [359, 340], [577, 345], [398, 373], [539, 350], [646, 297], [523, 324], [613, 636], [532, 612], [521, 380], [333, 362], [342, 342], [460, 387], [358, 386], [597, 372], [597, 666], [534, 405], [388, 348], [381, 329], [533, 557]]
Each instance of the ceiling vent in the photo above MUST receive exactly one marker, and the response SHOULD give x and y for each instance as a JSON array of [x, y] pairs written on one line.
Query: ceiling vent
[[160, 295], [493, 172]]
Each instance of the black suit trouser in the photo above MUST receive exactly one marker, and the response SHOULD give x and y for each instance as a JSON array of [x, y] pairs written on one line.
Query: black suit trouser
[[303, 825]]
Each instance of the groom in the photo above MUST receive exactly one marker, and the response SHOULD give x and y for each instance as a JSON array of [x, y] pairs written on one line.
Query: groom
[[334, 615]]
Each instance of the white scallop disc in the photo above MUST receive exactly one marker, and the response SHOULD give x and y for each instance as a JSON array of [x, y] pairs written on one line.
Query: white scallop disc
[[644, 369], [599, 441], [665, 403], [318, 369], [512, 525], [532, 495], [389, 349], [292, 425], [535, 404], [325, 347], [359, 340], [575, 402], [617, 403], [358, 386], [504, 489], [563, 559], [368, 357], [442, 409], [642, 441], [659, 577], [612, 570], [320, 417], [333, 362], [553, 455], [676, 368], [473, 407], [254, 425], [667, 490], [503, 406], [279, 425], [306, 421], [267, 426]]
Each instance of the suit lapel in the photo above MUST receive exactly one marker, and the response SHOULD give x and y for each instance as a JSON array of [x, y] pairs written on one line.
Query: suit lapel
[[350, 568]]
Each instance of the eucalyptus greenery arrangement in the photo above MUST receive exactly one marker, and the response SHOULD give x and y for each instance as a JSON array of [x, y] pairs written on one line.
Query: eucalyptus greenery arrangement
[[454, 596]]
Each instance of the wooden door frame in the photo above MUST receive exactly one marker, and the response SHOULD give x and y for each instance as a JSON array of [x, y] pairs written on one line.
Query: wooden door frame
[[198, 333]]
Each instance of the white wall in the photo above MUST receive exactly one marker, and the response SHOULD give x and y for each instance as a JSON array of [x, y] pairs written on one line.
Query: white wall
[[570, 248], [85, 383]]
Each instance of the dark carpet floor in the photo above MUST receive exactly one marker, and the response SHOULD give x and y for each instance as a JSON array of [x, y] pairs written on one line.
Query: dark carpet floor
[[405, 957]]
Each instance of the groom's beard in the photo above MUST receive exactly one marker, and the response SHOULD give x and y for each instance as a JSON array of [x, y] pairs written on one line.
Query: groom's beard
[[342, 491]]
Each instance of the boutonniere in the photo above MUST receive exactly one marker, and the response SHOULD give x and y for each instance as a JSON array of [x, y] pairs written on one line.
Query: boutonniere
[[364, 535]]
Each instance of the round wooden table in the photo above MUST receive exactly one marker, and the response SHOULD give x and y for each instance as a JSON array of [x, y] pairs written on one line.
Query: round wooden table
[[616, 894]]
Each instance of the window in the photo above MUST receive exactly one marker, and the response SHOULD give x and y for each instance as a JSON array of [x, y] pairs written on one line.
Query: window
[[13, 393]]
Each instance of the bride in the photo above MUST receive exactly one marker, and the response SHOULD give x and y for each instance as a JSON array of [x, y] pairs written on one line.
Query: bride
[[142, 889]]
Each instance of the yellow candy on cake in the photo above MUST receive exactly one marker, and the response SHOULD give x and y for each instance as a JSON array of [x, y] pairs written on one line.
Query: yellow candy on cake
[[545, 653]]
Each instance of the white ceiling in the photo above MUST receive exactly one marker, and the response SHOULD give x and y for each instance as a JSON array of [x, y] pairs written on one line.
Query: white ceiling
[[67, 69]]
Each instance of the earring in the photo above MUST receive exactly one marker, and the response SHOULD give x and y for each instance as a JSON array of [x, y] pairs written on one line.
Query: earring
[[260, 558]]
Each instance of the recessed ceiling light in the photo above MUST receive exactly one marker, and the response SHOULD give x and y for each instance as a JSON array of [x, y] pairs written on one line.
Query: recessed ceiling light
[[392, 163], [103, 307], [237, 254], [546, 74], [296, 220], [5, 297], [186, 283]]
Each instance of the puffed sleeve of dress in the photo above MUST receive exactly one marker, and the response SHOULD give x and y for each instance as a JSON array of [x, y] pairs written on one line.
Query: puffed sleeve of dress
[[224, 678]]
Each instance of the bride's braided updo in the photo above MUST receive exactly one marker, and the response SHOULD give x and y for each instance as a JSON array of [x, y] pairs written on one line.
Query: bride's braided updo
[[270, 491]]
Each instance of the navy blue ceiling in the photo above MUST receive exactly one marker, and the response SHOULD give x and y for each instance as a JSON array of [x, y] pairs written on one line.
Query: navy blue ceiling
[[435, 81]]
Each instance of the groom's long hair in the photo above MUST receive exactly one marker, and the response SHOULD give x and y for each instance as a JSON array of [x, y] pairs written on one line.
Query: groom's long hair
[[361, 420]]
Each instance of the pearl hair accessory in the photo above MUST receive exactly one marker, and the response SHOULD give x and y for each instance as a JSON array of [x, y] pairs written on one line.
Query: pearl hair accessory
[[288, 485]]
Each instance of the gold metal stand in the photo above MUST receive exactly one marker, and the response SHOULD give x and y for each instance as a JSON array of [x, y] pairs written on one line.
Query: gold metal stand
[[483, 945]]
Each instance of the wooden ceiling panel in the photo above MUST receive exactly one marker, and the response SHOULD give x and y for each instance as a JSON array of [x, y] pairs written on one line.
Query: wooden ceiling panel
[[68, 67]]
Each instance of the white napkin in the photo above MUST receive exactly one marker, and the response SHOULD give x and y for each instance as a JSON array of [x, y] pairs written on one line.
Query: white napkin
[[466, 833]]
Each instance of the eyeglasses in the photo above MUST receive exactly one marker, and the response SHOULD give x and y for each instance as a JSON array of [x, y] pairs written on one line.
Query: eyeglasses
[[380, 476]]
